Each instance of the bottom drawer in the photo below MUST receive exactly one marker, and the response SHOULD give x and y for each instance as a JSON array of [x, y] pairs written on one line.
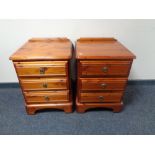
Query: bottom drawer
[[47, 96], [101, 97]]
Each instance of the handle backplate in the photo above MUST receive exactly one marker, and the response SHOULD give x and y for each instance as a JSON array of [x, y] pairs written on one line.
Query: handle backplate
[[47, 98], [101, 98], [105, 69], [42, 70]]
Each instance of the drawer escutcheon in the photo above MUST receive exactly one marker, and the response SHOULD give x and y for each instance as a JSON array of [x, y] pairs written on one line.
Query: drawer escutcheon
[[101, 98], [103, 85], [45, 85], [105, 69], [42, 70], [47, 98]]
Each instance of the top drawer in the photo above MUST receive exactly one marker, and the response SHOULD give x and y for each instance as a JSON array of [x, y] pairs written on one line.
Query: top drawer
[[104, 68], [41, 68]]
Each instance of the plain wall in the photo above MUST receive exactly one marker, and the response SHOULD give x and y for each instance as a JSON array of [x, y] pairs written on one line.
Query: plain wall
[[137, 35]]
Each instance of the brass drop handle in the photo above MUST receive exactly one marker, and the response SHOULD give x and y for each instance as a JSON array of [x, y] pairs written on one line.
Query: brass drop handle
[[45, 85], [47, 98], [42, 70], [101, 98], [103, 85], [105, 69]]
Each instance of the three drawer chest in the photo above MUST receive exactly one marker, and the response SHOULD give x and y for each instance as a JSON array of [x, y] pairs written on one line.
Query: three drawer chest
[[42, 67], [103, 66]]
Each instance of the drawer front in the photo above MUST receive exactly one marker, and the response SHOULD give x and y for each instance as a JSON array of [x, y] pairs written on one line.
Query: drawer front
[[101, 97], [104, 68], [47, 96], [41, 68], [102, 83], [44, 83]]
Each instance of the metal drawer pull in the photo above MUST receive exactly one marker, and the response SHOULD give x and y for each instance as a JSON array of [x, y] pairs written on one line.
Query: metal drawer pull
[[103, 85], [47, 98], [42, 70], [101, 98], [45, 85], [105, 69]]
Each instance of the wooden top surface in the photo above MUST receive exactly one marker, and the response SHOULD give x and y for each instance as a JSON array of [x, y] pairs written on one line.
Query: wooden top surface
[[101, 48], [44, 49]]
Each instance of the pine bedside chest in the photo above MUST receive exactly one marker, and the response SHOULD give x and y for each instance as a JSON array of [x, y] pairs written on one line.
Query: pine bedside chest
[[42, 67], [103, 66]]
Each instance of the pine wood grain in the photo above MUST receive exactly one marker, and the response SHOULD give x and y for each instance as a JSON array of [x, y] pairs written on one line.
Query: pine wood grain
[[102, 83], [43, 70], [44, 49], [101, 48], [103, 66], [44, 83]]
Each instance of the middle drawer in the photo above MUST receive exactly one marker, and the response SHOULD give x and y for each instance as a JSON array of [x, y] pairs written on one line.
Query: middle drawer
[[44, 83], [102, 83]]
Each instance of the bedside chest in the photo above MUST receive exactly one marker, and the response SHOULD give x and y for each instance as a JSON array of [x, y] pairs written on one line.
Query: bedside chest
[[43, 67], [103, 66]]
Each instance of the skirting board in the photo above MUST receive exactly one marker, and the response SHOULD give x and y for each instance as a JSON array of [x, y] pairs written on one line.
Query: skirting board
[[130, 82]]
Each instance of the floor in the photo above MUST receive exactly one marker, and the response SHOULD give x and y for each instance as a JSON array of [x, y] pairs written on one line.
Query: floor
[[138, 116]]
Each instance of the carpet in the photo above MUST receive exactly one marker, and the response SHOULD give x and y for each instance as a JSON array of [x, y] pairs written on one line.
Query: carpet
[[138, 116]]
